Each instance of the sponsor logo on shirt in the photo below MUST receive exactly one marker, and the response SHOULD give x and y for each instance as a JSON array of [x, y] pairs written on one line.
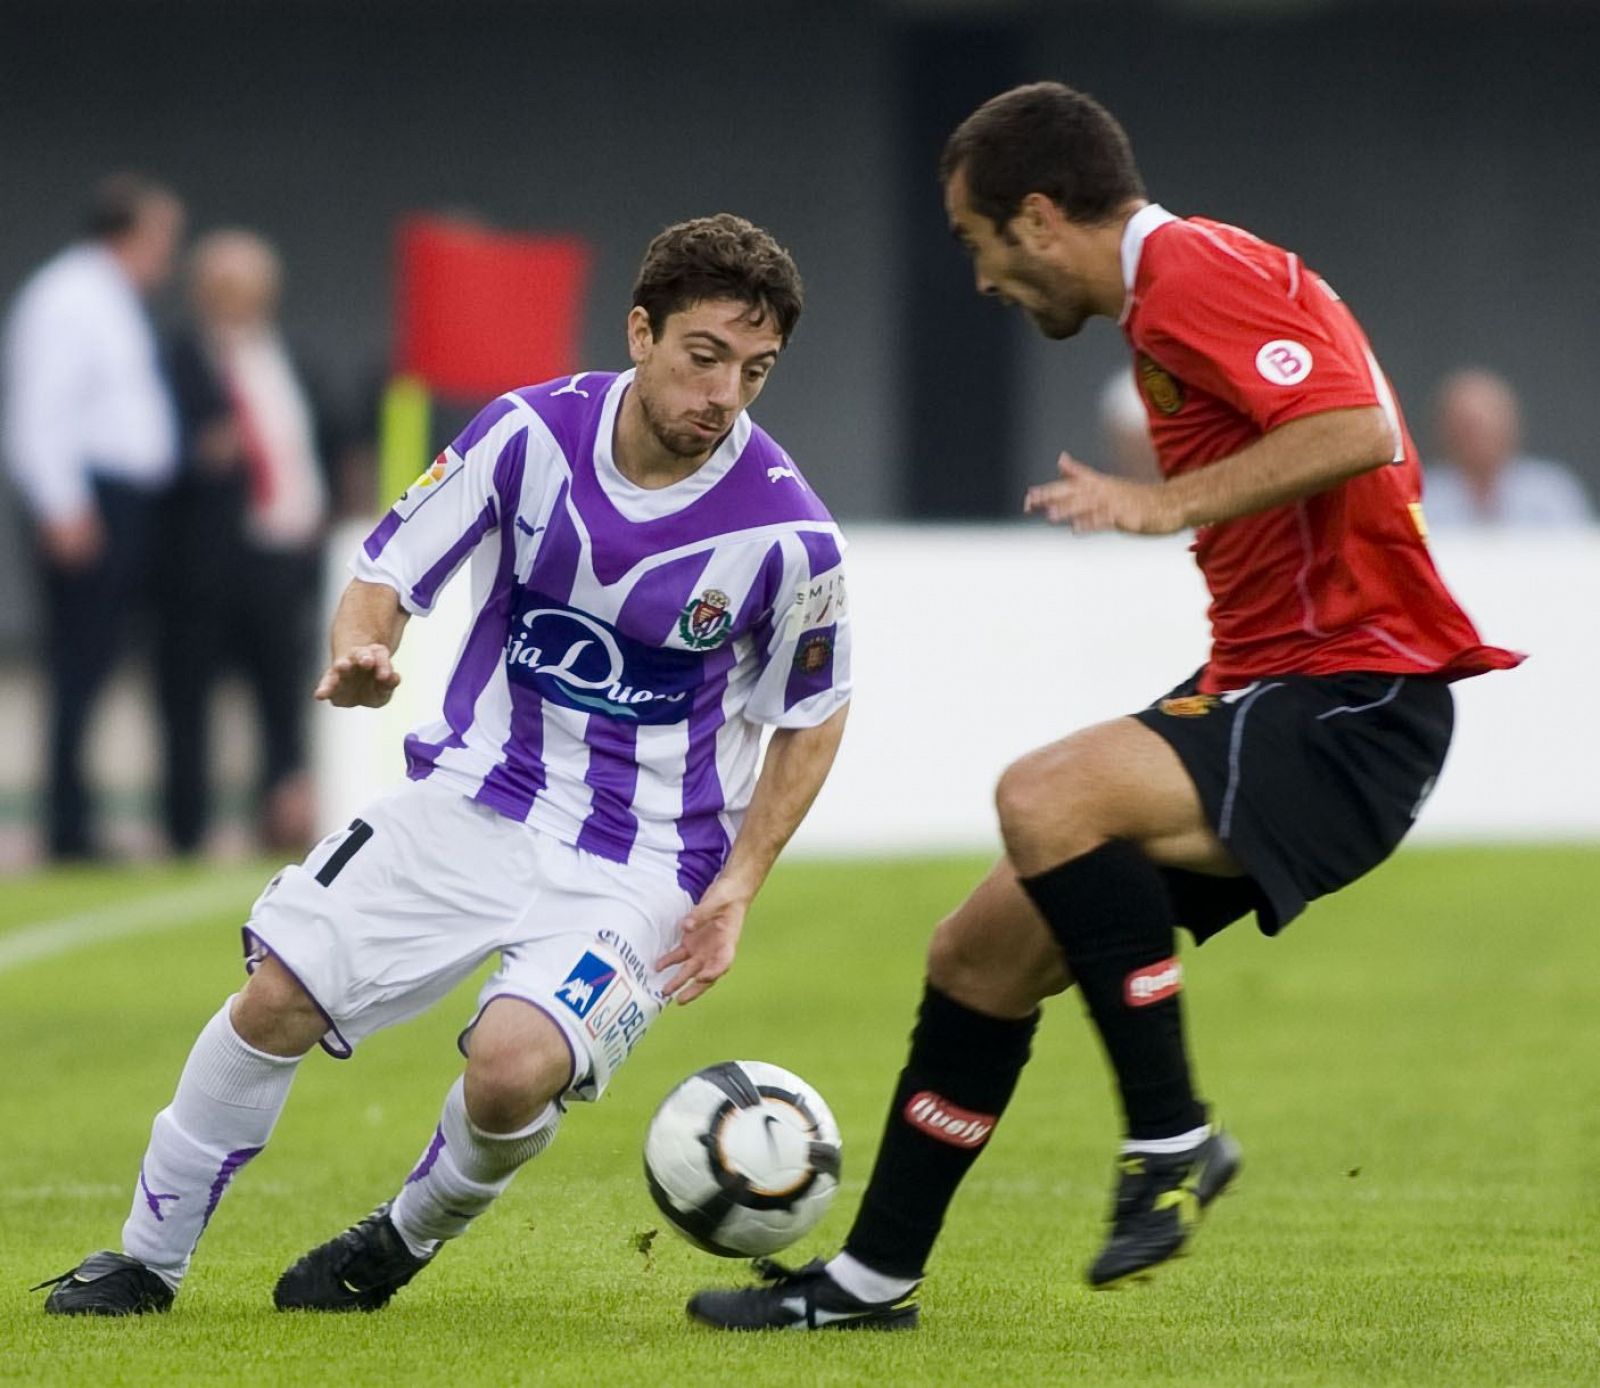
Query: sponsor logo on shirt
[[590, 980], [1189, 705], [818, 602], [1161, 387], [442, 468], [946, 1122], [1284, 362], [1152, 983], [577, 661], [705, 620]]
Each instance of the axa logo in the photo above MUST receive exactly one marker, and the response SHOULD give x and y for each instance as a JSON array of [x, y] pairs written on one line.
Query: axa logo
[[1152, 983], [946, 1122], [586, 983]]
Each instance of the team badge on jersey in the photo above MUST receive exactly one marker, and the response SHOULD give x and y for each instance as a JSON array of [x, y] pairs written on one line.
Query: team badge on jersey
[[1161, 387], [1189, 705], [705, 620], [813, 656]]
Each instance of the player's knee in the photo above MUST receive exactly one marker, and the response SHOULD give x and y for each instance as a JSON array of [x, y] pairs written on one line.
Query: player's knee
[[1034, 790], [514, 1069], [275, 1014], [1048, 796]]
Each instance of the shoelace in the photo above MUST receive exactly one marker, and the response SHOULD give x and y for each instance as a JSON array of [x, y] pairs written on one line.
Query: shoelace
[[54, 1281], [771, 1270]]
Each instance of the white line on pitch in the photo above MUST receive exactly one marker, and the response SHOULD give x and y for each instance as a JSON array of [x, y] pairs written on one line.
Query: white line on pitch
[[145, 916]]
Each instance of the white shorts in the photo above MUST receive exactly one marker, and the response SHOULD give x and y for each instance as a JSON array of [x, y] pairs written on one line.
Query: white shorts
[[386, 917]]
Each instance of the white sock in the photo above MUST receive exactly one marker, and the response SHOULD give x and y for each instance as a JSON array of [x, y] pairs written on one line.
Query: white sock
[[1169, 1146], [228, 1099], [461, 1172], [864, 1283]]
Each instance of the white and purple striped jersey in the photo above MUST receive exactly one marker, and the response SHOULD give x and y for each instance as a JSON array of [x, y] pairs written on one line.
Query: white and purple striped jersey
[[628, 643]]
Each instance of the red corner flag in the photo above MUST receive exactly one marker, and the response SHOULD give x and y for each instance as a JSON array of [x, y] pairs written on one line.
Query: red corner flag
[[478, 312]]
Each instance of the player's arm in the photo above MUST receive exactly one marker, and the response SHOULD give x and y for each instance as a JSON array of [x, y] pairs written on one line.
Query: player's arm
[[796, 764], [365, 635], [1305, 455]]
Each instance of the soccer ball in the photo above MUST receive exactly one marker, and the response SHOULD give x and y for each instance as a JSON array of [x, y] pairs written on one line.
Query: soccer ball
[[742, 1158]]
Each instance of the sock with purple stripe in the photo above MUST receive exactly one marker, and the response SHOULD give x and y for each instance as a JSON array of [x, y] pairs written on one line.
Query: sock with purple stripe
[[461, 1172], [226, 1105]]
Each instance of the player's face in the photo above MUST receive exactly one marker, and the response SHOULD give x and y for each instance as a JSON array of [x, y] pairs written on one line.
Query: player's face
[[1007, 263], [709, 363]]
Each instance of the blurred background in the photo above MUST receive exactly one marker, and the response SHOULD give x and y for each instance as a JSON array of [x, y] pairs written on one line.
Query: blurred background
[[1433, 159]]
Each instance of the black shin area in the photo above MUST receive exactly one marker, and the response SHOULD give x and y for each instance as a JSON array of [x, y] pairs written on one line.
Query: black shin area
[[957, 1082], [1110, 913]]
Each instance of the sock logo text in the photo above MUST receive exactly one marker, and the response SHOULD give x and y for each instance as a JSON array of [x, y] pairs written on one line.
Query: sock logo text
[[1153, 983], [944, 1121]]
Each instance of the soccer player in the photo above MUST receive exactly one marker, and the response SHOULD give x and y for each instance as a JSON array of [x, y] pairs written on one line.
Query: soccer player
[[1293, 762], [654, 582]]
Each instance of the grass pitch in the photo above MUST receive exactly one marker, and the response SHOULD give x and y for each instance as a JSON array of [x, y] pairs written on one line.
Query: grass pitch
[[1414, 1071]]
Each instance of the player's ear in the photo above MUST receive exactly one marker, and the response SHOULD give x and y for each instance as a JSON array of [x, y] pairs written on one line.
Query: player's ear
[[640, 337], [1037, 221]]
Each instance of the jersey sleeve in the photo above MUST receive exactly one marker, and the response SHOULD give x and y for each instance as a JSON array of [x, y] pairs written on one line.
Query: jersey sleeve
[[442, 517], [1272, 345], [805, 675]]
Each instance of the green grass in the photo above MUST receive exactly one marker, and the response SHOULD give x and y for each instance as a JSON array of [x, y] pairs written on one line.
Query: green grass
[[1414, 1070]]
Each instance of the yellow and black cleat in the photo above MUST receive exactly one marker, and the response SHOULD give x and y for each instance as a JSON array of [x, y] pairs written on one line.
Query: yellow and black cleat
[[1158, 1204]]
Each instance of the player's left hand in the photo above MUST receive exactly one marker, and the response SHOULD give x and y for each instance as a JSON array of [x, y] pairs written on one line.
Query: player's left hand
[[708, 939], [1088, 501]]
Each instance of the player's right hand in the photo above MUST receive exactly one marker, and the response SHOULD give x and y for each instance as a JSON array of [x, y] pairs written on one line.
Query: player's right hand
[[363, 677]]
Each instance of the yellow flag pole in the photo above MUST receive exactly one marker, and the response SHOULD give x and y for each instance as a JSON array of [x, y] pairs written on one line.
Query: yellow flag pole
[[403, 437]]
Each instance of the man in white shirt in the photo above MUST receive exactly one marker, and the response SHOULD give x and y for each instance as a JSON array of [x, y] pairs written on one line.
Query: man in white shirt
[[1483, 479], [90, 439]]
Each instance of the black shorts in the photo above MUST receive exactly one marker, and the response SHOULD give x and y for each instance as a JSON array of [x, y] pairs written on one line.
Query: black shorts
[[1309, 780]]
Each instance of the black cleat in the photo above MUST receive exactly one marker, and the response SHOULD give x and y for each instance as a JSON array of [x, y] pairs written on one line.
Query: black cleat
[[804, 1299], [106, 1284], [1158, 1205], [357, 1271]]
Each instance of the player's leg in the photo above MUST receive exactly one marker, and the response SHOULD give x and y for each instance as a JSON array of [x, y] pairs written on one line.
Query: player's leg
[[499, 1115], [573, 995], [229, 1095], [990, 964], [1090, 821]]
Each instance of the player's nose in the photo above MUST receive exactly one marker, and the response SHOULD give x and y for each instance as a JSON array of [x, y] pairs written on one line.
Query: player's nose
[[724, 389]]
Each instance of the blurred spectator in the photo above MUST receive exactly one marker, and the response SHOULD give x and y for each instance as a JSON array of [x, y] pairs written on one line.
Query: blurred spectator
[[90, 439], [240, 558], [1125, 429], [1482, 479]]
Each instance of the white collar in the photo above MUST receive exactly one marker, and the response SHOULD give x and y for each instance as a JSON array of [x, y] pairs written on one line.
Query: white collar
[[1146, 220], [647, 503]]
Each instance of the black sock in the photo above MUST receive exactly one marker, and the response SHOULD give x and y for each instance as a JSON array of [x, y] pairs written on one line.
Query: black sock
[[957, 1082], [1110, 913]]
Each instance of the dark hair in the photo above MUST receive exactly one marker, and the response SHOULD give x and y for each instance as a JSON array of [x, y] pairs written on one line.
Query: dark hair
[[720, 257], [118, 202], [1043, 138]]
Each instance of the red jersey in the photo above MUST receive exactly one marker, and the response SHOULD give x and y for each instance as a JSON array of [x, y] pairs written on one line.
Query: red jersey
[[1231, 338]]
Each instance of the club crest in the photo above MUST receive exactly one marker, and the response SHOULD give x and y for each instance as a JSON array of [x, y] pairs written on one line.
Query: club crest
[[1161, 387], [705, 620], [1189, 705]]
